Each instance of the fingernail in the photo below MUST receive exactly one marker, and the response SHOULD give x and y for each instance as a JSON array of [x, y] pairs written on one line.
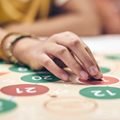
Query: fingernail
[[99, 75], [84, 74], [64, 77], [93, 70]]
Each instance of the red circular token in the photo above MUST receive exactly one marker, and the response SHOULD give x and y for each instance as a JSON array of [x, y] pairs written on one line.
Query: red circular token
[[106, 80], [24, 90]]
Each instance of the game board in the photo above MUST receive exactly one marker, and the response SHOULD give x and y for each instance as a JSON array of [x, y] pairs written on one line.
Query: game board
[[38, 95]]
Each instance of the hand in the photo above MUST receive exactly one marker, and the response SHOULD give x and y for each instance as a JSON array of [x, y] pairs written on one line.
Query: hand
[[67, 47]]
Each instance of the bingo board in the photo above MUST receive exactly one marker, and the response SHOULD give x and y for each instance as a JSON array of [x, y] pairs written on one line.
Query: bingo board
[[39, 95]]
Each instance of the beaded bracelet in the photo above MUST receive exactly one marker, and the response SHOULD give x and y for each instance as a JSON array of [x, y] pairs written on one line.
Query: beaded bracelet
[[9, 46], [2, 55]]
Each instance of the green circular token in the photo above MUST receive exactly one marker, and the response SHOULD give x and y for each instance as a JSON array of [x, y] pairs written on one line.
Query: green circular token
[[6, 105], [40, 78], [21, 69], [101, 92], [3, 62], [113, 57], [104, 70]]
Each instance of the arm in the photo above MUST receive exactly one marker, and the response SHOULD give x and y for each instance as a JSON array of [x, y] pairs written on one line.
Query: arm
[[73, 53], [109, 12], [79, 17]]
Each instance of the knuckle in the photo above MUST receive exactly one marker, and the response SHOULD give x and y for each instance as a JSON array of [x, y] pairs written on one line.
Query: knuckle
[[34, 66], [87, 48], [55, 36], [77, 66], [67, 32], [61, 50], [74, 42], [45, 62], [89, 61]]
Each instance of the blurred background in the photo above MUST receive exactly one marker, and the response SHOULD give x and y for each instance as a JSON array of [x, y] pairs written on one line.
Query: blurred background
[[48, 17]]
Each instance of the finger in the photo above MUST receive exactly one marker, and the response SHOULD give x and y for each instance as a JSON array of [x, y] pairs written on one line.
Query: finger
[[48, 63], [99, 74], [78, 49], [90, 53], [65, 56]]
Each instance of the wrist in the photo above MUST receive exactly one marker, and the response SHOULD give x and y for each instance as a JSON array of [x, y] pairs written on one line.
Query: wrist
[[9, 43], [6, 41], [2, 55], [23, 48]]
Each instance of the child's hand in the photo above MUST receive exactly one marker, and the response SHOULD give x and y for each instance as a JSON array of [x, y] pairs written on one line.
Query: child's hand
[[67, 47]]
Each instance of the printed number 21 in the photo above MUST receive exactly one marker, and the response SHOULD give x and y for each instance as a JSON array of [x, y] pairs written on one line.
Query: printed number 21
[[28, 90]]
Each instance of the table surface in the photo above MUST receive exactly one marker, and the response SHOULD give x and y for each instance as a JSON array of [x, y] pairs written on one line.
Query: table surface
[[109, 44], [27, 94]]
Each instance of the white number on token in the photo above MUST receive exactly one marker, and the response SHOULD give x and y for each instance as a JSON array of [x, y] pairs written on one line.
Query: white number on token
[[22, 69], [28, 90], [36, 78], [47, 77]]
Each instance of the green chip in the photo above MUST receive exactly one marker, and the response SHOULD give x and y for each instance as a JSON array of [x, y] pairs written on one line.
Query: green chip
[[104, 70], [6, 105], [3, 62], [113, 57], [40, 78], [101, 92], [21, 69]]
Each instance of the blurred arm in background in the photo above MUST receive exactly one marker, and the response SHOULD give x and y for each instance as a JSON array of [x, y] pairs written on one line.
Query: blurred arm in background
[[78, 16], [109, 13]]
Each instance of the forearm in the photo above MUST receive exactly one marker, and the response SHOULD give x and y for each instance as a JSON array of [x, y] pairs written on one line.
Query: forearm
[[79, 17], [78, 24]]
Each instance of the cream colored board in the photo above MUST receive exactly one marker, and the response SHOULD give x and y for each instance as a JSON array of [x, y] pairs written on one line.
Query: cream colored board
[[67, 104]]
